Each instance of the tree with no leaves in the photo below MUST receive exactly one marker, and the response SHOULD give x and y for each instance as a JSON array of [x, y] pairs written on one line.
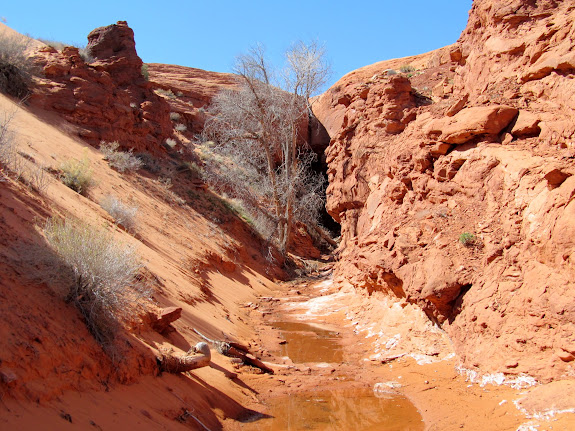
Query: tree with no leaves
[[261, 129]]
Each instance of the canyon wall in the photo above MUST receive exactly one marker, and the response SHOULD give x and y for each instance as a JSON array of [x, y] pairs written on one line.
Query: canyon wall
[[454, 185]]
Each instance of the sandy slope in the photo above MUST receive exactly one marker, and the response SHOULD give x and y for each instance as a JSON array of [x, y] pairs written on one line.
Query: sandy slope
[[206, 266]]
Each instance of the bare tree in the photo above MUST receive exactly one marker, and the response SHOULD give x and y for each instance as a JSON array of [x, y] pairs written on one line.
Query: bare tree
[[262, 130]]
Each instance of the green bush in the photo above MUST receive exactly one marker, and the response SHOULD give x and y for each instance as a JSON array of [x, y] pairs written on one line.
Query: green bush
[[105, 289], [77, 175], [467, 239]]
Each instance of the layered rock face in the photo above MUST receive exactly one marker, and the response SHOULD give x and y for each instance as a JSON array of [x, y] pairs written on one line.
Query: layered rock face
[[107, 99], [454, 185], [189, 91]]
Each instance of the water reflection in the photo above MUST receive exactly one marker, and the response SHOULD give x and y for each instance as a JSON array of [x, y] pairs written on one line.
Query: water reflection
[[307, 343], [353, 409]]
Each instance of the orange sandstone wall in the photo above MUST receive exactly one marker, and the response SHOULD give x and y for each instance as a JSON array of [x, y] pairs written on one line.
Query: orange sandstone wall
[[478, 140]]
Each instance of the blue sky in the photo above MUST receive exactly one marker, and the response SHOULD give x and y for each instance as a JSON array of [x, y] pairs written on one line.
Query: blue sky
[[209, 35]]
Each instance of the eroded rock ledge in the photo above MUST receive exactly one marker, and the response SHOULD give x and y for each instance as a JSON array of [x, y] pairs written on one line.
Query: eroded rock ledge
[[108, 98], [454, 185]]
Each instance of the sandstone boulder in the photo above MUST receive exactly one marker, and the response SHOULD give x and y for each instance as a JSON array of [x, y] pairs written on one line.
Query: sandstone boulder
[[471, 122], [527, 124]]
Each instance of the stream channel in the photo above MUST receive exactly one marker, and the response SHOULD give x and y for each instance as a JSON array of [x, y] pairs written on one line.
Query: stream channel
[[329, 396]]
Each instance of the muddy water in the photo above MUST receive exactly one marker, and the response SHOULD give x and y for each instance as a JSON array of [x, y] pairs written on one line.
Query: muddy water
[[354, 409], [357, 409], [308, 343]]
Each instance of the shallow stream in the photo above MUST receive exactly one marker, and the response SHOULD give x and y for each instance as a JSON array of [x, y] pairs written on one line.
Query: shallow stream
[[346, 409]]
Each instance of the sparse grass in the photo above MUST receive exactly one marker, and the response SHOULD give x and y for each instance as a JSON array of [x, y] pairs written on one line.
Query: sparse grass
[[145, 72], [166, 93], [407, 68], [105, 289], [12, 161], [77, 174], [180, 127], [36, 177], [122, 161], [85, 54], [123, 214], [165, 182], [56, 44], [169, 195], [195, 171], [467, 239]]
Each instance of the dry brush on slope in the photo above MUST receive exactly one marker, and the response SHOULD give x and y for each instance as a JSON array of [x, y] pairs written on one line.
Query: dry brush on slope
[[105, 289]]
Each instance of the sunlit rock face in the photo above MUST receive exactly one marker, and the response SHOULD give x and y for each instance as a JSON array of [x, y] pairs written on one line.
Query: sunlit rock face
[[453, 185], [107, 98]]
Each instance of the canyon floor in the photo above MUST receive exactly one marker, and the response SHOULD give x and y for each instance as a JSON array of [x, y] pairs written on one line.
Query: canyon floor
[[423, 394], [445, 398]]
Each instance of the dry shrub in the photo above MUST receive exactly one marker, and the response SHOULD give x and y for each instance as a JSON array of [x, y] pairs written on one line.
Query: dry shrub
[[34, 176], [8, 151], [105, 289], [77, 174], [12, 161], [15, 66], [120, 160], [122, 214]]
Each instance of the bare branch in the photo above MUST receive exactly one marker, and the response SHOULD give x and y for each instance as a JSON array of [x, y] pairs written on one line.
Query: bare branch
[[260, 133]]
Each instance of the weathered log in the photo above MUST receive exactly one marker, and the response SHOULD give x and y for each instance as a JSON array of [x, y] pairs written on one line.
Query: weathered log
[[236, 350], [248, 358], [187, 362]]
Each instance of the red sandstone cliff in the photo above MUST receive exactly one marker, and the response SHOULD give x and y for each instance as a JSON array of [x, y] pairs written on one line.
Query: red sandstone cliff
[[478, 141], [108, 98]]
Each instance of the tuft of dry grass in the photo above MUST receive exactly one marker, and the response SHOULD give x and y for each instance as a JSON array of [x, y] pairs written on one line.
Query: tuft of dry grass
[[123, 214], [180, 127], [122, 161], [77, 174]]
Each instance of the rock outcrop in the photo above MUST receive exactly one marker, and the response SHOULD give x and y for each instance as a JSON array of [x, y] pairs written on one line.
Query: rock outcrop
[[453, 185], [189, 91], [107, 98]]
